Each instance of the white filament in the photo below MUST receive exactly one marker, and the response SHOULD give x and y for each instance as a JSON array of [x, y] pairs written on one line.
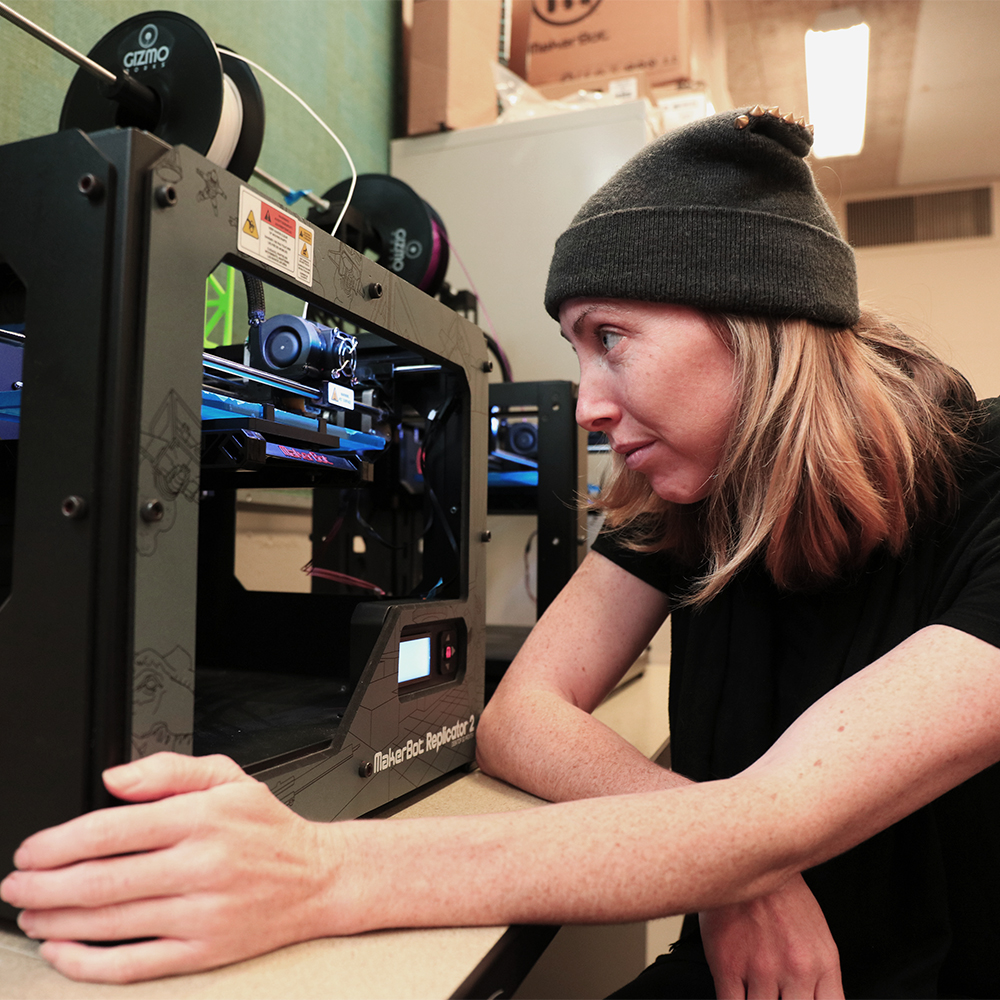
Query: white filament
[[333, 135], [227, 135]]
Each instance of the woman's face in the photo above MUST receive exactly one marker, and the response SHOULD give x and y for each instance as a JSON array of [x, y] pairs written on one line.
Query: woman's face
[[659, 382]]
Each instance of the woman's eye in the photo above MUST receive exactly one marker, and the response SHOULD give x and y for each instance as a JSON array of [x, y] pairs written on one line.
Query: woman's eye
[[609, 340]]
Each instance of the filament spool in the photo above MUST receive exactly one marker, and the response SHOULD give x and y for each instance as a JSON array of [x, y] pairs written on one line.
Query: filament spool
[[209, 100], [251, 131], [401, 231]]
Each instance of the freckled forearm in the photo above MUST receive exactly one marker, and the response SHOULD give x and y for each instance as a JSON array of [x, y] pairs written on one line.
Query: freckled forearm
[[556, 864], [559, 752], [860, 759]]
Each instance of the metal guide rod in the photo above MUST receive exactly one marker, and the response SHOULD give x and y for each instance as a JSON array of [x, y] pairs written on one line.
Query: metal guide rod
[[125, 89], [321, 203], [95, 69], [136, 91], [254, 375], [236, 370]]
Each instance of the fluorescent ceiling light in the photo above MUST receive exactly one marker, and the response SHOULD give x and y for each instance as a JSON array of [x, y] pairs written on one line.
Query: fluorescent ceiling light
[[837, 78]]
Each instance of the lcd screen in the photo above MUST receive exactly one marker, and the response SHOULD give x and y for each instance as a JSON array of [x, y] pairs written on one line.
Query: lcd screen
[[414, 659]]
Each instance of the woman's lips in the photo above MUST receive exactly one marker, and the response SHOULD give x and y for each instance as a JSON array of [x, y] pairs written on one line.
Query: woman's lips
[[635, 455]]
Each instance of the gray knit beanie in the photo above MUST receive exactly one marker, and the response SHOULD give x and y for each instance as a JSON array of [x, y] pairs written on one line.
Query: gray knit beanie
[[722, 214]]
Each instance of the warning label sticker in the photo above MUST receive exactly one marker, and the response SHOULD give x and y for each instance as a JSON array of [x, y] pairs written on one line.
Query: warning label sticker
[[270, 235]]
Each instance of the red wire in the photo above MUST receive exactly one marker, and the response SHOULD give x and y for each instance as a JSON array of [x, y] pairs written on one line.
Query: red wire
[[335, 577]]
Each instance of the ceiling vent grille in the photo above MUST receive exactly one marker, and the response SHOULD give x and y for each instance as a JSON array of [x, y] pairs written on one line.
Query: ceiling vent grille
[[945, 215]]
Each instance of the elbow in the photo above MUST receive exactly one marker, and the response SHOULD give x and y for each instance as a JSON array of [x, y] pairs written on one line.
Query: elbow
[[496, 731], [489, 739]]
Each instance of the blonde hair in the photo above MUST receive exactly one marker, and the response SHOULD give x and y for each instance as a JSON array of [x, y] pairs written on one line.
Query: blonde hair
[[843, 440]]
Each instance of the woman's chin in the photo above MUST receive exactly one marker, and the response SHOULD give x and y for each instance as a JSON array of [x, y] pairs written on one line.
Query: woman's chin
[[680, 493]]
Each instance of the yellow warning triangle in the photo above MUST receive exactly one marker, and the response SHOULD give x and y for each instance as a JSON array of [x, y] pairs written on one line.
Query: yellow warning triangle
[[305, 250], [250, 227]]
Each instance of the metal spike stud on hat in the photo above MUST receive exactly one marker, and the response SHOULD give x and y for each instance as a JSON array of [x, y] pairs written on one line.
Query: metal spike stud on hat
[[743, 120]]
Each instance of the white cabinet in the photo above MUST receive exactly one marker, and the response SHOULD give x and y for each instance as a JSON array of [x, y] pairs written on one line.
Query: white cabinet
[[505, 193]]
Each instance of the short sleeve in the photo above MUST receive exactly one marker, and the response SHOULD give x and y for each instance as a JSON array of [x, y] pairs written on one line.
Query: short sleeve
[[968, 552], [970, 600], [655, 568]]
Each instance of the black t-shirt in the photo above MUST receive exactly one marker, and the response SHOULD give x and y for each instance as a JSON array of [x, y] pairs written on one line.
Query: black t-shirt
[[915, 910]]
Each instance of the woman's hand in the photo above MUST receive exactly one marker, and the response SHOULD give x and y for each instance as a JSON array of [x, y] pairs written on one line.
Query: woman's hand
[[210, 869], [773, 946]]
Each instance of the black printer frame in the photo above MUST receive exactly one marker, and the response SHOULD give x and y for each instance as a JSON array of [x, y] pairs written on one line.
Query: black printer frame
[[556, 502], [113, 235]]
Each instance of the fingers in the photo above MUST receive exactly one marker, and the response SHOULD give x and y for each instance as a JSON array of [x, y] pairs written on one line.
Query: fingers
[[125, 963], [164, 774], [761, 990], [777, 945], [105, 833], [830, 986], [213, 870], [730, 987], [145, 918], [769, 983], [805, 978], [105, 881], [768, 987], [154, 824]]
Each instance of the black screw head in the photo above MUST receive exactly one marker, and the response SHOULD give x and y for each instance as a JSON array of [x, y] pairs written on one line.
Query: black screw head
[[487, 366], [375, 290], [365, 769], [74, 507], [166, 195], [152, 510], [485, 536], [91, 187]]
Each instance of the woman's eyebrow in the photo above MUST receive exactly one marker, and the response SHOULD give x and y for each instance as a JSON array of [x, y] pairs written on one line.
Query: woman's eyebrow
[[579, 321]]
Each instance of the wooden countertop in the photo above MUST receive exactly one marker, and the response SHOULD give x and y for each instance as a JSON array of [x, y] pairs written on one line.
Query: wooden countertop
[[385, 964]]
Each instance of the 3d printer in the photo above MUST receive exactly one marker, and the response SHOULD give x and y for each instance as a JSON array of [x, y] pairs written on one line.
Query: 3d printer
[[123, 629]]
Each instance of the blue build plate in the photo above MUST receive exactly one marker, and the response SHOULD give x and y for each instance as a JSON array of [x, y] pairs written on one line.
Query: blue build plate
[[217, 407]]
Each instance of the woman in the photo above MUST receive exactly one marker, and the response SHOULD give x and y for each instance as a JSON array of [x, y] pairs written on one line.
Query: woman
[[816, 498]]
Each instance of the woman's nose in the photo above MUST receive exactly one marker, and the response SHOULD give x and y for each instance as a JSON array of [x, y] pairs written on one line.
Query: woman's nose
[[596, 410]]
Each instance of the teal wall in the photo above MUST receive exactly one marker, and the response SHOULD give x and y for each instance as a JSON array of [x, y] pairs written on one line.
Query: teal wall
[[340, 56]]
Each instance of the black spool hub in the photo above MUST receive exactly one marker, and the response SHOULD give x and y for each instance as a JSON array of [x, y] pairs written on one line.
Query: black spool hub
[[175, 58], [187, 80], [398, 228]]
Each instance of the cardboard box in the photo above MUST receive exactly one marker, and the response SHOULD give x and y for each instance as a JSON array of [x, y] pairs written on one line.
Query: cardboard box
[[679, 104], [452, 47], [621, 86], [567, 39]]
